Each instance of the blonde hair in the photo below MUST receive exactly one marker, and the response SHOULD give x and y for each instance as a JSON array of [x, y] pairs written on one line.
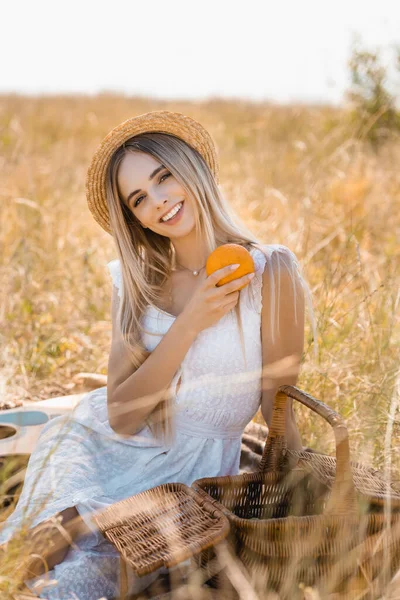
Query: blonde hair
[[146, 257]]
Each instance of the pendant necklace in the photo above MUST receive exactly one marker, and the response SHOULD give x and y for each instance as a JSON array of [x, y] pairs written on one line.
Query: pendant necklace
[[195, 272]]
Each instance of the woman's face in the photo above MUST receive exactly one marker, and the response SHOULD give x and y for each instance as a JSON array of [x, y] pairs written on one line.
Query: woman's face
[[151, 192]]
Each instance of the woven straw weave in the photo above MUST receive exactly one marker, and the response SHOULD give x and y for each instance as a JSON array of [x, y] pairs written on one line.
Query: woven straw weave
[[161, 527]]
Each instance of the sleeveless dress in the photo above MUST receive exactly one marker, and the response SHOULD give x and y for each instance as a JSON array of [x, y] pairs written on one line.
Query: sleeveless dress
[[92, 466]]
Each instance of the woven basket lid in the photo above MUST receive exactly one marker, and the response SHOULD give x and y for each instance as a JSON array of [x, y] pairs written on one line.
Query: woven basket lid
[[174, 123]]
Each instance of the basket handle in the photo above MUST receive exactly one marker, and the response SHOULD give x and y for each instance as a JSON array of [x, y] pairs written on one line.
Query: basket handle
[[343, 496]]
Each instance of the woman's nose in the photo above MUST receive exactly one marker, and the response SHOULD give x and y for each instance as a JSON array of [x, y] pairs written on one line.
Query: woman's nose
[[160, 202]]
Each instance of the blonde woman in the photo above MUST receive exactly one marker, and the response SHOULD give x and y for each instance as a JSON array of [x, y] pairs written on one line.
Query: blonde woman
[[190, 363]]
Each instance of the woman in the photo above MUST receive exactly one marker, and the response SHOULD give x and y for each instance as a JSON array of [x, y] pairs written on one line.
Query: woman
[[190, 363]]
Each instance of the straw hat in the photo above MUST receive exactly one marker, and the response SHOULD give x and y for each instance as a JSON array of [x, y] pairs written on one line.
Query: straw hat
[[162, 121]]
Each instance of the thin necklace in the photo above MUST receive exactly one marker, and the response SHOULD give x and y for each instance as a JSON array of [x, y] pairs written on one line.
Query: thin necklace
[[195, 272]]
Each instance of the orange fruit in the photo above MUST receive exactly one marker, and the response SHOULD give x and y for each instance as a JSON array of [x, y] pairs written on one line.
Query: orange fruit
[[230, 254]]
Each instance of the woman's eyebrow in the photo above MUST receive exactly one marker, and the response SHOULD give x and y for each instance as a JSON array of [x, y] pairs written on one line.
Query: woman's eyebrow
[[153, 174]]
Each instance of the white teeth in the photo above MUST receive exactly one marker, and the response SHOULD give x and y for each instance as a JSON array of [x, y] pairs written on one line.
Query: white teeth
[[172, 212]]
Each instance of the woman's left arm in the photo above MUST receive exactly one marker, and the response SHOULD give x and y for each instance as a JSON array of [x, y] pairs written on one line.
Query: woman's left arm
[[281, 355]]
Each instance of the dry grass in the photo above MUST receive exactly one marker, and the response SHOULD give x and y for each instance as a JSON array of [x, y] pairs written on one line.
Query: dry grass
[[301, 176]]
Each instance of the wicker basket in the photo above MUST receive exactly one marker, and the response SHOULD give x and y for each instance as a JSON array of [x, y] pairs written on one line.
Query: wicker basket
[[161, 527], [372, 491], [309, 519]]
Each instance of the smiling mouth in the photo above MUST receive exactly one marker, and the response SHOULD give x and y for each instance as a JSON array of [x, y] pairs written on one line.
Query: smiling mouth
[[173, 208]]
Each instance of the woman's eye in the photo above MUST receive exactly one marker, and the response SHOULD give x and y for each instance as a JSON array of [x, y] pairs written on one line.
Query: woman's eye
[[165, 175], [160, 181], [136, 202]]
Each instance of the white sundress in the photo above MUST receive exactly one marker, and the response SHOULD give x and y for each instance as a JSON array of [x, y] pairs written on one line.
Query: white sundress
[[92, 466]]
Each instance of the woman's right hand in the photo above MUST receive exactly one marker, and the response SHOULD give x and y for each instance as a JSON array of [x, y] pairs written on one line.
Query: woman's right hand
[[209, 303]]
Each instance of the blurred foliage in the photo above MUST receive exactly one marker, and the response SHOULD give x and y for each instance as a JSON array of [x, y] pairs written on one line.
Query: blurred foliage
[[375, 110]]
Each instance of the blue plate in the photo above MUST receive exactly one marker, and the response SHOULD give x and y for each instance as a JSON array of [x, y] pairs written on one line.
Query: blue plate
[[24, 417]]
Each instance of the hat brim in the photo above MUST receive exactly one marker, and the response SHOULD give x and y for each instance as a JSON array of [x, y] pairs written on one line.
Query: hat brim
[[182, 126]]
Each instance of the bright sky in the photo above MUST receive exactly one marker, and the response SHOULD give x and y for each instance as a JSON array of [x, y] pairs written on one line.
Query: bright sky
[[285, 50]]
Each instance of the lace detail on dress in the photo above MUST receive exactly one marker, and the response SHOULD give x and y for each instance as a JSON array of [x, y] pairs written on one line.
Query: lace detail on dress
[[116, 275]]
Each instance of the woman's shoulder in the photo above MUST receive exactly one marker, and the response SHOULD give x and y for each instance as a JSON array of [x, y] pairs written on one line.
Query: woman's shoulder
[[271, 261], [273, 254]]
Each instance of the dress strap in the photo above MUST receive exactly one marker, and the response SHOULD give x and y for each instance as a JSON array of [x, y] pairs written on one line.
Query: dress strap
[[114, 267]]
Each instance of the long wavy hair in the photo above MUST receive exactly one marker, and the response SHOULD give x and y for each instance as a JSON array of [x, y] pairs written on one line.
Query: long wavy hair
[[146, 258]]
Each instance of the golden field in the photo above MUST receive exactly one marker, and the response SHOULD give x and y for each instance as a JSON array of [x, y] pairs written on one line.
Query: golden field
[[302, 176]]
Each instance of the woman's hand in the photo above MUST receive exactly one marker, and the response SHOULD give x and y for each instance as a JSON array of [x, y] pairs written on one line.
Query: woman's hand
[[209, 303]]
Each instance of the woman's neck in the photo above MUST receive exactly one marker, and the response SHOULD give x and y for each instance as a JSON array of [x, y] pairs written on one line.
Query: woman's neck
[[190, 253]]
